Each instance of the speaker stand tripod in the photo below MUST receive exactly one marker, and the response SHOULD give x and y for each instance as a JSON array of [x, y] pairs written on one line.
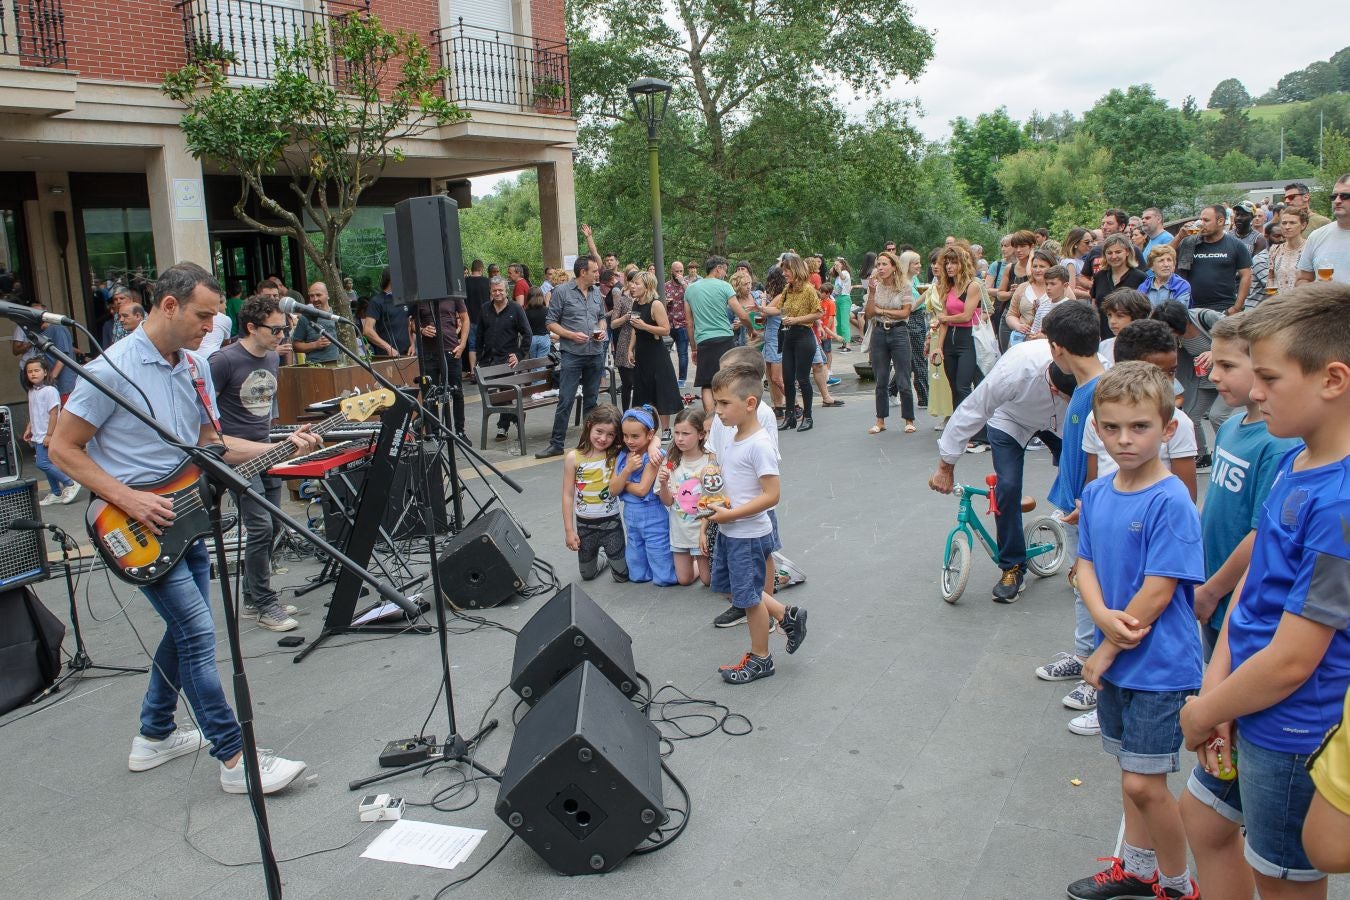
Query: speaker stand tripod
[[80, 662]]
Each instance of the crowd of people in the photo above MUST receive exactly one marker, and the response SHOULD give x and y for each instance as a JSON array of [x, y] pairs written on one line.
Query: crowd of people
[[1224, 630]]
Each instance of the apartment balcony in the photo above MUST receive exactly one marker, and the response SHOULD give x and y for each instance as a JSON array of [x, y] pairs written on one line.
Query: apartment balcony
[[498, 70], [246, 32], [34, 78]]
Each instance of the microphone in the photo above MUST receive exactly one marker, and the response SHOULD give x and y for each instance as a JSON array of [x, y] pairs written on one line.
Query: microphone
[[291, 307], [31, 316], [31, 525]]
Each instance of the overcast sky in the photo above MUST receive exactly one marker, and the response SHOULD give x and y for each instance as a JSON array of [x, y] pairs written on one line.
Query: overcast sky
[[1060, 55]]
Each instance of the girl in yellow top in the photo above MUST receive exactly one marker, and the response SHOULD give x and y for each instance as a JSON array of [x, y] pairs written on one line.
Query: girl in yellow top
[[590, 511], [800, 305]]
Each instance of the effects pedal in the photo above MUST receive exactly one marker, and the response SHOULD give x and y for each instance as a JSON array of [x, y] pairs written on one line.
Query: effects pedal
[[408, 751], [380, 808]]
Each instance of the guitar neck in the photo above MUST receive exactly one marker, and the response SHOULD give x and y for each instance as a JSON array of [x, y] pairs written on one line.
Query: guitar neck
[[285, 450]]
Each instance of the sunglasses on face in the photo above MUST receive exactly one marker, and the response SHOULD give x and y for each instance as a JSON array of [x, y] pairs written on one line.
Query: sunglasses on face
[[278, 330], [1341, 195]]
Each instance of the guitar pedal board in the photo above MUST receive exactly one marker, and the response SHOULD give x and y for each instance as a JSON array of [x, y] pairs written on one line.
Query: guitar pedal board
[[408, 751], [11, 466]]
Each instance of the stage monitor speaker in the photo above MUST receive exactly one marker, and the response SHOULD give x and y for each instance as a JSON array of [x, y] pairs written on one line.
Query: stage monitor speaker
[[11, 466], [582, 783], [30, 647], [430, 254], [568, 630], [22, 556], [486, 563]]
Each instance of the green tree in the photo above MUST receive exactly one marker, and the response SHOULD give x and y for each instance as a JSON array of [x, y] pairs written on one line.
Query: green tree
[[1236, 166], [738, 67], [1229, 93], [1149, 141], [1304, 124], [332, 137], [1321, 78], [1038, 182], [503, 227], [1230, 131], [976, 149], [1341, 60], [1335, 163]]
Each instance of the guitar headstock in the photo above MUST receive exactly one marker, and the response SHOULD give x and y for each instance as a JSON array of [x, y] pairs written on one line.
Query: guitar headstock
[[363, 406]]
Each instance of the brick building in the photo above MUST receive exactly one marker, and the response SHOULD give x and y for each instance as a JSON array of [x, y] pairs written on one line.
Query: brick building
[[96, 181]]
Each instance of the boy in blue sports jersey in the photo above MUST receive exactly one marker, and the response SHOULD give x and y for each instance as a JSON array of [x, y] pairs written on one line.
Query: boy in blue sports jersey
[[1282, 664], [1246, 457], [1139, 554]]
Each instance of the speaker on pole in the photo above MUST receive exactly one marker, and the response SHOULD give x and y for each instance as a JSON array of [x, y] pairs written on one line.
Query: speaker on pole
[[487, 563], [582, 783], [566, 631], [429, 251]]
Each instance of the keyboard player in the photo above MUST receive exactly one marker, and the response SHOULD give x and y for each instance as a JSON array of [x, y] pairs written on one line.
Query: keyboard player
[[245, 376]]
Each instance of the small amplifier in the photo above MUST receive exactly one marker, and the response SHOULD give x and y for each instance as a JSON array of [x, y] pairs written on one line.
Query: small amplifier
[[11, 466]]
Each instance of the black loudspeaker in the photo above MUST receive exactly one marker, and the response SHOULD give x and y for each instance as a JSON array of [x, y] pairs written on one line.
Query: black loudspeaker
[[30, 647], [485, 563], [568, 630], [582, 783], [22, 556], [429, 251], [395, 257], [10, 466], [402, 497]]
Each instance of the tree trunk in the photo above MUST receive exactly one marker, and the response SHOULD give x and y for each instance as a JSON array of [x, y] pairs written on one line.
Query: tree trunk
[[337, 300]]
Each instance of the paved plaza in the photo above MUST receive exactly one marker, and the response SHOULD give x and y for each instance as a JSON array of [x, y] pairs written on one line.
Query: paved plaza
[[906, 751]]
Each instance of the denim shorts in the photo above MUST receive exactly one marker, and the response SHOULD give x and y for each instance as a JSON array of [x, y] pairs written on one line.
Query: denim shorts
[[1271, 809], [1141, 729], [738, 568]]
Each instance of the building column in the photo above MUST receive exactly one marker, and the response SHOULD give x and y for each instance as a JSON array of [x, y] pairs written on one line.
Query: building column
[[557, 206], [177, 204], [55, 279]]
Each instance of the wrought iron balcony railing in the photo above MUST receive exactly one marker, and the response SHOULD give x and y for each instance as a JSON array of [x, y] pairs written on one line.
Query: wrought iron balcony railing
[[244, 33], [497, 68], [39, 32]]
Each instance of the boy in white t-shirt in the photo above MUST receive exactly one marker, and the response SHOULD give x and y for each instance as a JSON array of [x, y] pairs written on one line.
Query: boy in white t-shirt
[[720, 435], [745, 541], [1150, 341]]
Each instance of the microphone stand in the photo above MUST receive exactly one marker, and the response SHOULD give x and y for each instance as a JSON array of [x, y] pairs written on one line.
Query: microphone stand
[[456, 747], [222, 478], [81, 661]]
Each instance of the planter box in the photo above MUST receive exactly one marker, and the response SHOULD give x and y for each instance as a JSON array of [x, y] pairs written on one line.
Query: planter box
[[299, 386], [864, 371]]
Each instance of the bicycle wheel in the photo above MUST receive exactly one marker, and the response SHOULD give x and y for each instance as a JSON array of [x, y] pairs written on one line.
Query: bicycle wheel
[[956, 570], [1046, 531]]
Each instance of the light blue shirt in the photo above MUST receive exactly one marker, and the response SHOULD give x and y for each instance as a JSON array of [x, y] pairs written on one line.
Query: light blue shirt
[[123, 447], [1162, 237], [1328, 246]]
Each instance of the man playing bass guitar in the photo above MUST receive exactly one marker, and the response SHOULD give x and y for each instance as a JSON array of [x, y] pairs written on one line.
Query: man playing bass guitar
[[107, 450]]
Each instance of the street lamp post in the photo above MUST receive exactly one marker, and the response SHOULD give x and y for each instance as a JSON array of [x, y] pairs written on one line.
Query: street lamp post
[[650, 97]]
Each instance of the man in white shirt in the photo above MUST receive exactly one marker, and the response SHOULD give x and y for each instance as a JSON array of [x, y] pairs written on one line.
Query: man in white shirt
[[221, 326]]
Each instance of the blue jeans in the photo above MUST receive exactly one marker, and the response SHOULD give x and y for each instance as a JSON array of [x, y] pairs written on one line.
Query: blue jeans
[[1270, 799], [681, 338], [56, 479], [186, 658], [1009, 457], [1141, 729], [576, 369], [539, 346]]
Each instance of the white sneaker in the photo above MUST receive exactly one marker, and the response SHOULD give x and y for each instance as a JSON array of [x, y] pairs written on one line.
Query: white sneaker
[[276, 773], [1086, 724], [1083, 696], [70, 493], [49, 500], [146, 754]]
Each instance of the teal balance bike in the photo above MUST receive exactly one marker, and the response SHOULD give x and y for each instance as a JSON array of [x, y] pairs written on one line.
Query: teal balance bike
[[1044, 535]]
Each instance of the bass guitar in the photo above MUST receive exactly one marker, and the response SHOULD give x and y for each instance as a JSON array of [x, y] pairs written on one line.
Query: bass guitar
[[137, 555]]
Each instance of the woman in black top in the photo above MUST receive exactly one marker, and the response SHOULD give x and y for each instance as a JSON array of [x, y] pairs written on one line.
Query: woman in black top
[[536, 311], [1120, 268], [1013, 274], [653, 372]]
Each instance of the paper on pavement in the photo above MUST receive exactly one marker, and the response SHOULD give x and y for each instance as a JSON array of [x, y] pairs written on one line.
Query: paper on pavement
[[424, 844]]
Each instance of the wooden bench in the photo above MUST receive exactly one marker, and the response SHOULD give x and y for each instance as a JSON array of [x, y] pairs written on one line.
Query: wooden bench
[[516, 389]]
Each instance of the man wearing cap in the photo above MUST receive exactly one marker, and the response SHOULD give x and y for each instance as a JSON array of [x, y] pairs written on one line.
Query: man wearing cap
[[1243, 216]]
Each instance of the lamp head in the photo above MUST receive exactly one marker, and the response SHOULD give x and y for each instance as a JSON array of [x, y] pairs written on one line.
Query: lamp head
[[650, 97]]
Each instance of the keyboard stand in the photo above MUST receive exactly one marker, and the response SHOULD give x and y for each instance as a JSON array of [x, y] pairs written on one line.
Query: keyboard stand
[[365, 528], [330, 569]]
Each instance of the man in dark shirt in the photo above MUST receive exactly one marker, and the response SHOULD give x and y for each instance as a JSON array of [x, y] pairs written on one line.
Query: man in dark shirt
[[316, 338], [1220, 269], [386, 323], [1243, 215], [476, 291], [502, 331], [442, 334], [245, 376], [1113, 222]]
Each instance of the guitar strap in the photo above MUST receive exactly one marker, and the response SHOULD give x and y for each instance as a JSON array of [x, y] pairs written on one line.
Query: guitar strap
[[200, 384]]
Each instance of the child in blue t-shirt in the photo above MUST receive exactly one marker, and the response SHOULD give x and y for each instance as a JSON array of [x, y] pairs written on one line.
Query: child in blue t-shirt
[[1281, 667], [1246, 457], [1073, 329], [1138, 556]]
